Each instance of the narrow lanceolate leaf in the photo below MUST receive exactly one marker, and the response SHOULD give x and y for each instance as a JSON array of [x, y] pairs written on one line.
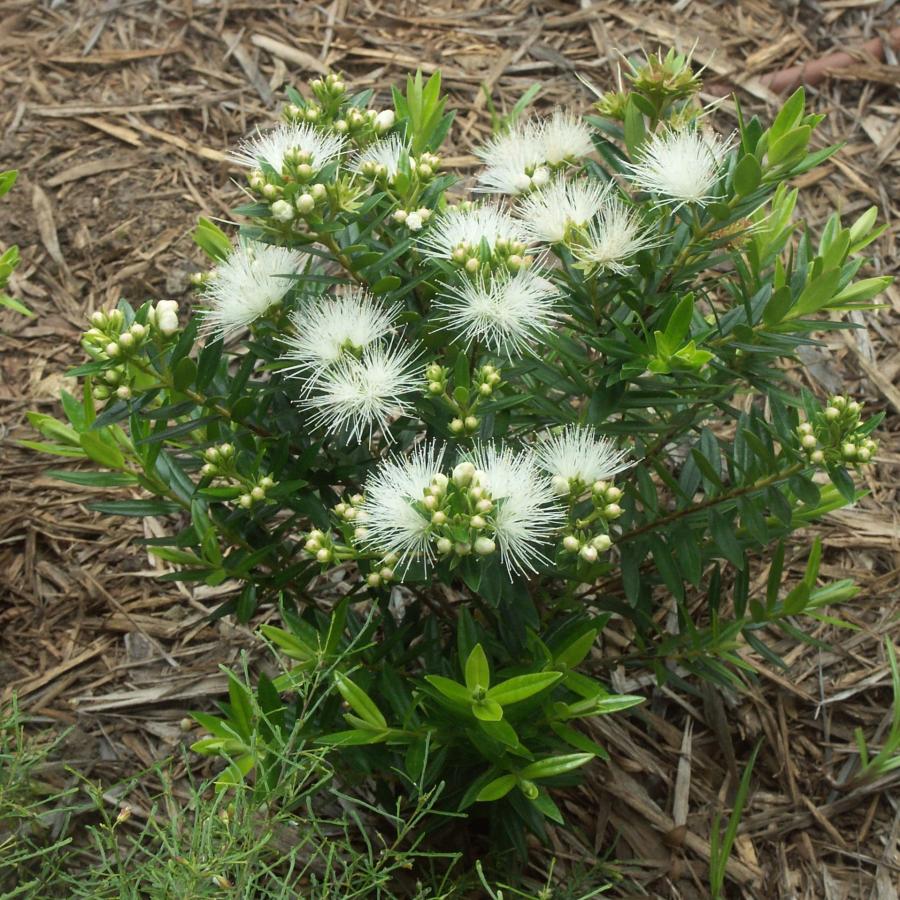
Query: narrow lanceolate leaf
[[478, 674], [360, 702], [496, 789], [522, 687], [555, 765], [452, 690]]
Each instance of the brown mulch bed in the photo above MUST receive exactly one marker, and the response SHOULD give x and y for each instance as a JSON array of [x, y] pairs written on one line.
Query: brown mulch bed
[[117, 115]]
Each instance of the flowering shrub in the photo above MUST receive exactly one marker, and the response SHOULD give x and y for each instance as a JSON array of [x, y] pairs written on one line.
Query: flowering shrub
[[452, 438]]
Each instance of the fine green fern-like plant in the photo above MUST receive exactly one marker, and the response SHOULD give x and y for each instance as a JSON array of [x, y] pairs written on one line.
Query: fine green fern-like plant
[[453, 431]]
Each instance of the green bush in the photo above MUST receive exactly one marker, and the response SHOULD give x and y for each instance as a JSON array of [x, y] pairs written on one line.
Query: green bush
[[451, 439]]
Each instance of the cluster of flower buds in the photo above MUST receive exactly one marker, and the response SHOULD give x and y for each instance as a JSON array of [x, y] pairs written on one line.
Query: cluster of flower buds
[[383, 571], [361, 125], [437, 377], [605, 497], [349, 511], [413, 220], [465, 424], [665, 78], [486, 379], [505, 254], [329, 89], [219, 463], [460, 510], [836, 435], [109, 338], [587, 547]]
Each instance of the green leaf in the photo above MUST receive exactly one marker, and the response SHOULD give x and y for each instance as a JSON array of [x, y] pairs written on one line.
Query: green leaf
[[101, 449], [452, 690], [496, 789], [792, 144], [136, 507], [386, 284], [747, 175], [555, 765], [514, 690], [15, 305], [680, 321], [94, 479], [359, 701], [7, 180], [487, 710], [211, 239], [478, 673], [578, 740], [184, 374], [575, 652]]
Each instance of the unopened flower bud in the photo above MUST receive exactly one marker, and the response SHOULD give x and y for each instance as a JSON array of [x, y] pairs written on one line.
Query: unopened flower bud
[[207, 470], [471, 423], [477, 522], [323, 555], [854, 407], [312, 546], [387, 573], [267, 481], [360, 533], [541, 177], [588, 553], [862, 454], [485, 390], [602, 543], [613, 494], [98, 318], [305, 204], [560, 485], [444, 546], [439, 517], [484, 546], [808, 441], [123, 392], [831, 413], [138, 331], [282, 211], [414, 222], [269, 191], [384, 121], [456, 425], [817, 457], [246, 501], [126, 340], [472, 265], [373, 580], [612, 511], [112, 349], [258, 493], [571, 543], [484, 506], [463, 548]]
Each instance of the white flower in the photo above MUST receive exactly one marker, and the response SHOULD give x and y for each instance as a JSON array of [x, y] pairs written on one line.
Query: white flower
[[282, 211], [526, 513], [467, 228], [505, 314], [318, 148], [577, 455], [254, 278], [414, 222], [548, 214], [330, 327], [521, 159], [393, 525], [360, 394], [514, 161], [382, 157], [681, 165], [565, 137], [614, 237]]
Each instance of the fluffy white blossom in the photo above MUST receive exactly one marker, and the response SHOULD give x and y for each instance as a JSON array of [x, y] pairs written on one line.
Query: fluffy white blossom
[[271, 147], [565, 137], [577, 455], [392, 523], [514, 161], [549, 214], [526, 513], [383, 157], [360, 394], [613, 238], [522, 158], [467, 227], [329, 327], [254, 278], [681, 165], [505, 314]]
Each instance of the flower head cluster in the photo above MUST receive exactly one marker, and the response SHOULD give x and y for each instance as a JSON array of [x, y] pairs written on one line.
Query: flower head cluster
[[550, 215], [383, 158], [492, 500], [254, 278], [837, 436], [359, 393], [681, 165], [506, 314], [576, 458], [613, 238], [332, 327], [524, 158], [297, 143], [464, 234]]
